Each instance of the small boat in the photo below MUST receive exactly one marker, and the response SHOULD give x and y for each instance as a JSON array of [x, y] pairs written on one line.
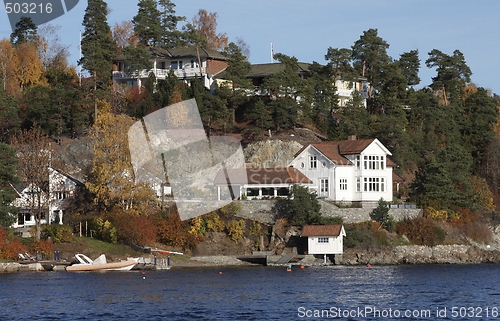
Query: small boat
[[99, 264]]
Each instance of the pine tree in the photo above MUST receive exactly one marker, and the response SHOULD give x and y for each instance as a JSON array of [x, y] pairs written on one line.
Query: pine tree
[[304, 206], [97, 46], [147, 23], [26, 31], [171, 36]]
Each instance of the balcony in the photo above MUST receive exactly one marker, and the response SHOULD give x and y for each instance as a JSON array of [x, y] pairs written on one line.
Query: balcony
[[186, 73]]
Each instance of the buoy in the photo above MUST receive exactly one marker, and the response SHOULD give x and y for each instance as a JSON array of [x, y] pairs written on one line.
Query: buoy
[[368, 265], [301, 267], [220, 272]]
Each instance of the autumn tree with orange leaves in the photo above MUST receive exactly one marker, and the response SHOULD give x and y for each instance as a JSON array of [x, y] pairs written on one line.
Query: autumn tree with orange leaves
[[206, 26]]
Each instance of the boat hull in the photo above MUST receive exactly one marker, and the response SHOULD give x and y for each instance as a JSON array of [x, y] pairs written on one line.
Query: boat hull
[[113, 266]]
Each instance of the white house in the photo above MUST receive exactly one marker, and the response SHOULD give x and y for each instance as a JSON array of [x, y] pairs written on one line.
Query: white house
[[348, 171], [59, 187], [324, 239], [186, 63]]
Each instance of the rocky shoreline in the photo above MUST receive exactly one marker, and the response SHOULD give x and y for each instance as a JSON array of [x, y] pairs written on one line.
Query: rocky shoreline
[[398, 255]]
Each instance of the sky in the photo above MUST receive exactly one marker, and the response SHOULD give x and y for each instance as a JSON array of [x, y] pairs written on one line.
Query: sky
[[306, 29]]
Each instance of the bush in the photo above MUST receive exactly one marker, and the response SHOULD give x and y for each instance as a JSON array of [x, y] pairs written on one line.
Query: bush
[[172, 231], [58, 233], [236, 229], [364, 235], [421, 231], [10, 246], [381, 214]]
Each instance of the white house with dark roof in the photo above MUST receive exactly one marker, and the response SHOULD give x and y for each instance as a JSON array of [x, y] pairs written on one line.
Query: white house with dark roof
[[348, 171], [238, 183], [52, 199]]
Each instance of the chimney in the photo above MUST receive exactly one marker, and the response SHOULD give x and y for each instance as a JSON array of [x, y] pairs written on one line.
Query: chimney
[[351, 137]]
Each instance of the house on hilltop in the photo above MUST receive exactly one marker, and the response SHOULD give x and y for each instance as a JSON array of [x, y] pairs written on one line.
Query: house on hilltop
[[186, 63], [348, 171]]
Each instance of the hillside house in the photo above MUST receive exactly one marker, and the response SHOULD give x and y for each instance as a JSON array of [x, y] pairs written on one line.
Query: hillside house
[[324, 239], [345, 89], [51, 198], [186, 63], [349, 171]]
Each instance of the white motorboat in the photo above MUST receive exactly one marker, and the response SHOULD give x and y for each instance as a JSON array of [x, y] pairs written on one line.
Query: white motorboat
[[99, 264]]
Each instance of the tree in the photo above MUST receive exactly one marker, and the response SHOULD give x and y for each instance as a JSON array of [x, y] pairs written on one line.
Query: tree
[[206, 26], [170, 36], [97, 46], [27, 67], [124, 36], [340, 62], [50, 50], [8, 175], [452, 74], [304, 206], [137, 59], [147, 23], [410, 65], [34, 155], [381, 214], [25, 31], [112, 176], [369, 54]]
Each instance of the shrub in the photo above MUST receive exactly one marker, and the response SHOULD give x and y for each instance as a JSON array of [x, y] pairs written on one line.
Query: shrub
[[58, 233], [381, 214], [10, 246], [171, 230], [214, 223], [421, 231], [256, 228], [236, 229], [43, 245]]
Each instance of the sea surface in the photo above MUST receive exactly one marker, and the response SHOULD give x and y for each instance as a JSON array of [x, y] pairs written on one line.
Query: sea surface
[[425, 292]]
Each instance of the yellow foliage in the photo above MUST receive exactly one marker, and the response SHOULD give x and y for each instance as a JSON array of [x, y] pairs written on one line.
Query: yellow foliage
[[197, 227], [256, 228], [236, 229], [434, 214], [482, 193], [214, 223]]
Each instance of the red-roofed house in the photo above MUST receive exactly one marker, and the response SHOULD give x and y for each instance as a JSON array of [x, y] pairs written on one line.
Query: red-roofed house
[[348, 171], [234, 183], [324, 239]]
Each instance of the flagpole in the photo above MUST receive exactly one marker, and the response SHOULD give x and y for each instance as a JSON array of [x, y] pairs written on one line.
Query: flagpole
[[272, 53]]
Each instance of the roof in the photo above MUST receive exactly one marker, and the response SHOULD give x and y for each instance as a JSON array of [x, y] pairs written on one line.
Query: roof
[[262, 70], [321, 230], [181, 53], [261, 176], [396, 178]]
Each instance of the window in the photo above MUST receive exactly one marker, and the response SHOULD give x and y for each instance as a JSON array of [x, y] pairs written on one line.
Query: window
[[173, 65], [302, 165], [323, 239], [180, 64], [163, 65], [374, 184], [343, 184], [358, 163], [313, 162], [323, 186], [358, 184], [373, 162]]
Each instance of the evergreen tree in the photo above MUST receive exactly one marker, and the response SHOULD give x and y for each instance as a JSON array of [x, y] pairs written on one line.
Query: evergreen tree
[[381, 214], [137, 59], [8, 162], [171, 36], [369, 54], [147, 23], [340, 62], [452, 74], [26, 31], [410, 65], [97, 47], [304, 206]]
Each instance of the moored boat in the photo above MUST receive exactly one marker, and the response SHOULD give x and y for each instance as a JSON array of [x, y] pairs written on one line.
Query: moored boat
[[99, 264]]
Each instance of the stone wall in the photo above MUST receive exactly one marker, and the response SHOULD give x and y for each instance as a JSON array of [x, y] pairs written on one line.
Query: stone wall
[[264, 211]]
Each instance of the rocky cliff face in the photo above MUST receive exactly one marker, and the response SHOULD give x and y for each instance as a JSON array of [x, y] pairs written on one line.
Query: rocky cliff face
[[271, 153]]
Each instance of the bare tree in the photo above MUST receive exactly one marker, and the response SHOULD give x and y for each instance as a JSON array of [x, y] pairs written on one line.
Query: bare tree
[[34, 154]]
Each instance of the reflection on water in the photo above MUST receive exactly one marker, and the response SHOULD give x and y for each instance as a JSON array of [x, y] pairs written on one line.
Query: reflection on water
[[256, 293]]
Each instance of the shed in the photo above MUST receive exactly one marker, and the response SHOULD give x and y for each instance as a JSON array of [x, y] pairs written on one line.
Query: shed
[[324, 239]]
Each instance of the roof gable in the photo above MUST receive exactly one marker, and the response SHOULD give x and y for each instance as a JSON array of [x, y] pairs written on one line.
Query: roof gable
[[323, 230]]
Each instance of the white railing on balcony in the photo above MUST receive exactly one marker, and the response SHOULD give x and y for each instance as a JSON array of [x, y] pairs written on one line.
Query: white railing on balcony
[[160, 73]]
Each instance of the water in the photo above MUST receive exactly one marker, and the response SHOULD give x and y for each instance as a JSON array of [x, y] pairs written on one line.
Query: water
[[256, 293]]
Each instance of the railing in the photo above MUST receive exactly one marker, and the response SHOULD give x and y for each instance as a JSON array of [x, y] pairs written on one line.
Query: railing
[[159, 73], [405, 205]]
